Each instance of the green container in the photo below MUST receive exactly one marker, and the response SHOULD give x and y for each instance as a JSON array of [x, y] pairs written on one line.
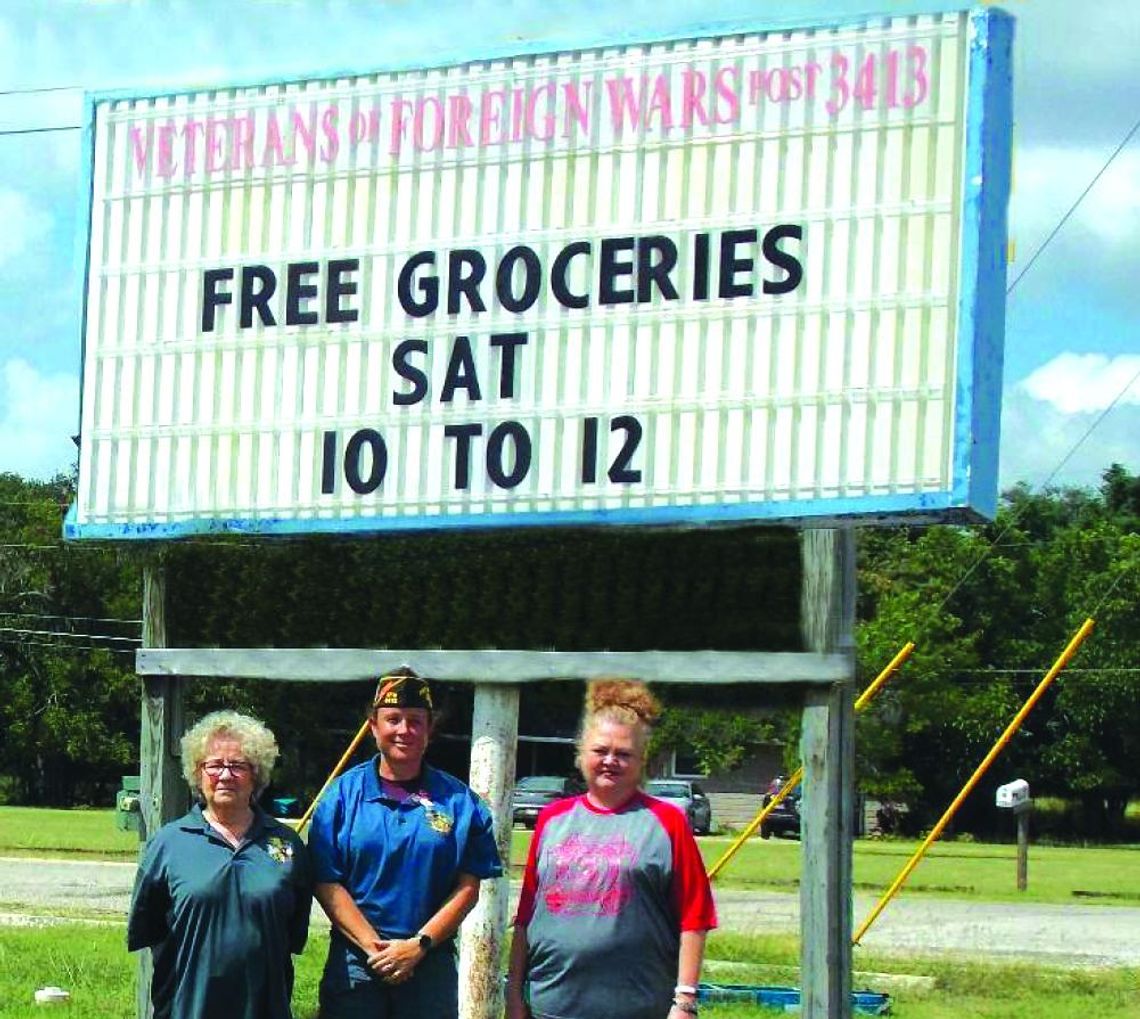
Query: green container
[[128, 804]]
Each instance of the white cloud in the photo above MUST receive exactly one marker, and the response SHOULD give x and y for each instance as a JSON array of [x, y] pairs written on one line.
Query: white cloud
[[1047, 180], [1080, 383], [38, 416], [1041, 444], [23, 224]]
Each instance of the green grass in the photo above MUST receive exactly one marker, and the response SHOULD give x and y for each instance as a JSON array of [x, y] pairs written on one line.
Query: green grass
[[962, 870], [89, 834], [952, 869], [93, 964], [957, 989]]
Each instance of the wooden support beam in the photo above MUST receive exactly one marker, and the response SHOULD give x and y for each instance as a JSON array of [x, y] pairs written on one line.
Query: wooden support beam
[[827, 749], [494, 734], [165, 794], [163, 791], [325, 665]]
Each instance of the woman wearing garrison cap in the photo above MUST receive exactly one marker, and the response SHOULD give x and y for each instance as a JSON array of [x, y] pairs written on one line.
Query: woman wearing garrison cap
[[399, 849]]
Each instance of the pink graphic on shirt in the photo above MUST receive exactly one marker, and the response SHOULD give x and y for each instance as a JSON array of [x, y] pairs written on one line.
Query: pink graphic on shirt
[[589, 876]]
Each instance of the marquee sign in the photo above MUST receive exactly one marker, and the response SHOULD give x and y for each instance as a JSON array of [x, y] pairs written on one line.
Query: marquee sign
[[736, 275]]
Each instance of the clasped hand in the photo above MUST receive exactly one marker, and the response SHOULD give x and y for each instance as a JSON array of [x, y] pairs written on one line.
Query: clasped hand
[[393, 961]]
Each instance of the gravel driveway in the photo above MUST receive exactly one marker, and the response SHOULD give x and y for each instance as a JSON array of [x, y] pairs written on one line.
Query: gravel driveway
[[1063, 934]]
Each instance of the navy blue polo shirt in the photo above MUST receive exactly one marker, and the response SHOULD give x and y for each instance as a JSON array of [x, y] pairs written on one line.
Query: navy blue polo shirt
[[399, 860], [221, 921]]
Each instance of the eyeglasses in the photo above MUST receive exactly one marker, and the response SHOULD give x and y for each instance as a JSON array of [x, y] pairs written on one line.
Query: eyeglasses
[[623, 757], [239, 769]]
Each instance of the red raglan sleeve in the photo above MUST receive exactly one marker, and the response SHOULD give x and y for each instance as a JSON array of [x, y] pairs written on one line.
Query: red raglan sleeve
[[692, 894]]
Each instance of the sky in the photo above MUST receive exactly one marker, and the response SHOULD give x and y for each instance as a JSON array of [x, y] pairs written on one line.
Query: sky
[[1072, 345]]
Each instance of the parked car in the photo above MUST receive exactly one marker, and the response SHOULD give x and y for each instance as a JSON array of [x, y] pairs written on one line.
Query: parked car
[[687, 797], [785, 817], [533, 792]]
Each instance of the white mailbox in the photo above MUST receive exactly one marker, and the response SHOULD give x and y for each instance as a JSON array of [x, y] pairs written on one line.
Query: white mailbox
[[1013, 794]]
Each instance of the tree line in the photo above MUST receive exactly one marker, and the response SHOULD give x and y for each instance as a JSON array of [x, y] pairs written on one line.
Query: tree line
[[989, 608]]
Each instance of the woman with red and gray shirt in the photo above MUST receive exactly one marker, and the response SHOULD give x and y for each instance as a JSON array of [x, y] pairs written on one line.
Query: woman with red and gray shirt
[[615, 904]]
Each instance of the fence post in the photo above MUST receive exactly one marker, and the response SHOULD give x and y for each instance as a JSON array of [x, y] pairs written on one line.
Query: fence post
[[163, 791], [827, 747]]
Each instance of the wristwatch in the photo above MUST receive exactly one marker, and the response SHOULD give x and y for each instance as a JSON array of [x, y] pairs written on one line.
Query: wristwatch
[[425, 941]]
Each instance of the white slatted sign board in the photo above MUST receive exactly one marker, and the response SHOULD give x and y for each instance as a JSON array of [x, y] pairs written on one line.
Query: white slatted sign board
[[729, 277]]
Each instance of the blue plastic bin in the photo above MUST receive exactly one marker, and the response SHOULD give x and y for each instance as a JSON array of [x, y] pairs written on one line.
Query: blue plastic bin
[[787, 999]]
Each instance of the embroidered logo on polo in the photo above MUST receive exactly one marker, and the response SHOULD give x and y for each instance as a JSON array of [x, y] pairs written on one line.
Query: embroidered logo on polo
[[590, 876], [437, 818], [279, 849]]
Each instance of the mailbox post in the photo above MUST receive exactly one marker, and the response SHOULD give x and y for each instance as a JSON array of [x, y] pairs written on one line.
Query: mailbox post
[[1015, 797], [128, 808]]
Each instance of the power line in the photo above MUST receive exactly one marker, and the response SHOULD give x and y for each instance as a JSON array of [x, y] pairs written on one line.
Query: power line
[[63, 546], [64, 633], [274, 541], [24, 642], [1016, 516], [1111, 587], [9, 131], [1096, 423], [1037, 671], [72, 619], [42, 89], [1073, 208]]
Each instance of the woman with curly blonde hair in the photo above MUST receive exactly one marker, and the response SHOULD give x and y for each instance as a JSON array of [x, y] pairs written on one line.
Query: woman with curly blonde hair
[[223, 894], [615, 904]]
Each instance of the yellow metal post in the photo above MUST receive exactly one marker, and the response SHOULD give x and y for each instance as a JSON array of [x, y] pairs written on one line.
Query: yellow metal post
[[797, 776], [1064, 659], [345, 758]]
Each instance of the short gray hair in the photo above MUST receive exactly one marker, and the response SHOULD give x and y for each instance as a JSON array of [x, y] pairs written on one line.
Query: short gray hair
[[257, 743]]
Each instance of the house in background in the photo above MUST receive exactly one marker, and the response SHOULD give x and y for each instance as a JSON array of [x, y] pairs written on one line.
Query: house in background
[[736, 795]]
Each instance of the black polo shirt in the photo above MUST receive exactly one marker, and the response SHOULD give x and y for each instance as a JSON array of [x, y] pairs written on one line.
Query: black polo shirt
[[221, 921]]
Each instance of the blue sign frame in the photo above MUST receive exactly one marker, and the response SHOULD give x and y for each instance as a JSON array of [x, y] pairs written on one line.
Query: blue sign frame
[[972, 493]]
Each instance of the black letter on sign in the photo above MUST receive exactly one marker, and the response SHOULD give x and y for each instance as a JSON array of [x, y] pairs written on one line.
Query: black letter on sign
[[782, 260], [212, 297], [619, 472], [340, 287], [259, 299], [460, 372], [328, 464], [458, 284], [429, 286], [701, 268], [648, 273], [589, 451], [410, 372], [363, 486], [730, 265], [509, 342], [514, 430], [558, 284], [612, 269], [463, 434], [297, 291], [532, 278]]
